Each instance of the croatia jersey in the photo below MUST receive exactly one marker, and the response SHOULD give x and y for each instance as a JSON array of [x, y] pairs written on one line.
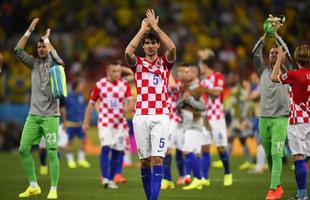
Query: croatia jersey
[[174, 96], [111, 96], [152, 80], [299, 92], [215, 106]]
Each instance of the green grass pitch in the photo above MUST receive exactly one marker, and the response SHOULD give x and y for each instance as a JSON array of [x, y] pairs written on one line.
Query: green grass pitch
[[84, 184]]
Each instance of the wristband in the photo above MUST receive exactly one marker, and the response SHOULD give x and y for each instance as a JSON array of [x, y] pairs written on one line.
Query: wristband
[[46, 40], [27, 34]]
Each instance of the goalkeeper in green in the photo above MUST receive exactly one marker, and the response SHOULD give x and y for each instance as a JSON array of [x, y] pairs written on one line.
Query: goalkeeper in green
[[43, 117]]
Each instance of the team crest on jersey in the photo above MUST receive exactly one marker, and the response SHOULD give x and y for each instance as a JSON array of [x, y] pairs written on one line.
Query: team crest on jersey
[[221, 82], [284, 76]]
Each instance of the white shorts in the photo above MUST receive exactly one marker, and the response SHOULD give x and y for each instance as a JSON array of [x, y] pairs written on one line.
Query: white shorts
[[192, 141], [219, 132], [62, 138], [176, 134], [151, 133], [206, 137], [298, 136], [112, 137]]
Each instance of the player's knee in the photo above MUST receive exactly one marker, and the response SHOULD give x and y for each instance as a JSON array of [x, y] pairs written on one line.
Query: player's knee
[[298, 157], [157, 160], [23, 150], [221, 149], [146, 162], [205, 148]]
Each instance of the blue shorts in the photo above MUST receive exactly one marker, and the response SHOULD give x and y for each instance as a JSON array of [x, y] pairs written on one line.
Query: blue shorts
[[75, 131]]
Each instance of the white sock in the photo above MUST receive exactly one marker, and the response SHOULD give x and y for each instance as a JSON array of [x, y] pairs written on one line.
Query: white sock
[[34, 184], [260, 157], [53, 187], [81, 155], [70, 157]]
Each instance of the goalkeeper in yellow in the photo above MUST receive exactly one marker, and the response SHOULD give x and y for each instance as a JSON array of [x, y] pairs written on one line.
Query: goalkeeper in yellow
[[43, 117]]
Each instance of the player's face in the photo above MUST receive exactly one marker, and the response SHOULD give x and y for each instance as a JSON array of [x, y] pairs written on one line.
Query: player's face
[[42, 50], [180, 73], [80, 87], [188, 75], [273, 56], [114, 72], [150, 47]]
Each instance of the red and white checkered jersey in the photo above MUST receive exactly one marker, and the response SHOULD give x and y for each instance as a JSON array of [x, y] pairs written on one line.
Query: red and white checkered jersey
[[174, 96], [152, 81], [214, 105], [299, 92], [111, 96]]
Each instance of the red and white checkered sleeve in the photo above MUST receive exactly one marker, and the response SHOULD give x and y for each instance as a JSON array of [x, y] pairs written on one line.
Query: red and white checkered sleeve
[[94, 95], [288, 77], [128, 93], [167, 63]]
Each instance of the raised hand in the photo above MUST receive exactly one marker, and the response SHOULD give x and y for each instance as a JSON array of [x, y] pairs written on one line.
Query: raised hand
[[153, 20], [33, 24], [281, 54], [47, 33], [145, 25]]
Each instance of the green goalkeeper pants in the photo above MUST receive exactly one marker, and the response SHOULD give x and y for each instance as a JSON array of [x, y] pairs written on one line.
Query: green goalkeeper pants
[[35, 127], [273, 132]]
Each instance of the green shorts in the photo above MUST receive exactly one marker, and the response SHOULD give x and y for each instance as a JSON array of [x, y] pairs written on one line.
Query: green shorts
[[273, 131], [37, 126]]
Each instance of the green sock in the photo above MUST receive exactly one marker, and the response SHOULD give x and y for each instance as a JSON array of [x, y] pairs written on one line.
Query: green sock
[[54, 166], [28, 163], [276, 171]]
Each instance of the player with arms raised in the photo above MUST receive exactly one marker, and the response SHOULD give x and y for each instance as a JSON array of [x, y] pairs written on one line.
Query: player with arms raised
[[151, 120]]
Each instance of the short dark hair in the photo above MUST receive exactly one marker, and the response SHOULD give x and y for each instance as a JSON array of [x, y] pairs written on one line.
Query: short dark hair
[[151, 36], [76, 83], [183, 64], [209, 62]]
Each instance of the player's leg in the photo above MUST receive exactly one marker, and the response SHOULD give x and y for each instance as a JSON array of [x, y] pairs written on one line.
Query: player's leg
[[42, 157], [119, 178], [279, 126], [299, 142], [219, 133], [81, 153], [192, 145], [70, 155], [143, 141], [167, 182], [205, 157], [50, 127], [30, 135], [265, 136], [106, 140], [159, 135]]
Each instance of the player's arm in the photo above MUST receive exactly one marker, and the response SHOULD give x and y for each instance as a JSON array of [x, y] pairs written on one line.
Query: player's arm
[[276, 69], [196, 104], [50, 49], [87, 117], [280, 42], [63, 112], [132, 46], [257, 53], [19, 51], [90, 107], [171, 50], [129, 101], [212, 92]]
